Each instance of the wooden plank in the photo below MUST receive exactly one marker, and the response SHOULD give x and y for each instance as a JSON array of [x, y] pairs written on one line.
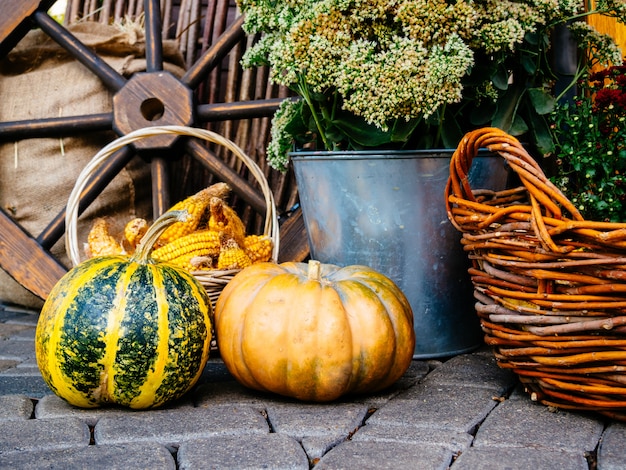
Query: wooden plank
[[610, 26], [26, 261], [13, 13], [294, 244], [15, 20]]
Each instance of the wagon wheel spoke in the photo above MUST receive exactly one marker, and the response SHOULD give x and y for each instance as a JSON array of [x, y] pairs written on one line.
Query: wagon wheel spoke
[[154, 43], [98, 181], [107, 74], [53, 127], [225, 173], [214, 54]]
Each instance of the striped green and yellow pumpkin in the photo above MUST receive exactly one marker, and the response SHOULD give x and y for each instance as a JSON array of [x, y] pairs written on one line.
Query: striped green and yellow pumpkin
[[124, 330]]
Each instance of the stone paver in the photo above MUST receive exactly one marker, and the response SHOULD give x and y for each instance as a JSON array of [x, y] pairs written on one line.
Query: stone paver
[[523, 423], [489, 458], [454, 441], [23, 369], [172, 427], [17, 349], [300, 420], [251, 452], [33, 386], [15, 407], [473, 370], [16, 331], [42, 435], [6, 364], [429, 405], [612, 452], [119, 457], [228, 392], [384, 456]]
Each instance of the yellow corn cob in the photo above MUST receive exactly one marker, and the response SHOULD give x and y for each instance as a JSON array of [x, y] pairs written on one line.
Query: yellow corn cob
[[200, 243], [133, 232], [232, 256], [196, 206], [100, 242], [225, 220], [258, 247]]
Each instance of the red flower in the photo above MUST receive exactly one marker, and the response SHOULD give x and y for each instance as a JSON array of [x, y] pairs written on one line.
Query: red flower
[[621, 100], [605, 97], [600, 75]]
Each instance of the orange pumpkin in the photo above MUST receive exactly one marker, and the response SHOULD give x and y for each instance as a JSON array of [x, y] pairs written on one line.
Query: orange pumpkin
[[314, 332]]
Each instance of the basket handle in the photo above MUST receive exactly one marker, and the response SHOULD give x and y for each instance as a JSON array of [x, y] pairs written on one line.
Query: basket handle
[[546, 200], [271, 227]]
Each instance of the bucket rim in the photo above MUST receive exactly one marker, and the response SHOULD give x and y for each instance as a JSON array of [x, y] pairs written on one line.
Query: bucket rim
[[309, 155]]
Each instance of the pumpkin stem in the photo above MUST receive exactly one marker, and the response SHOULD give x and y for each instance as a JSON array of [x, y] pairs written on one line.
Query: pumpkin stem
[[144, 248], [313, 273]]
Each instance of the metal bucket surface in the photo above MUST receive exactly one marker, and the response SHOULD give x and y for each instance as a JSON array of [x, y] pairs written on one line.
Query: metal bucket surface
[[386, 210]]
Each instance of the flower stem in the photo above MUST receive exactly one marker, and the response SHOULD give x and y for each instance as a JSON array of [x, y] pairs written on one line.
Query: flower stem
[[304, 92]]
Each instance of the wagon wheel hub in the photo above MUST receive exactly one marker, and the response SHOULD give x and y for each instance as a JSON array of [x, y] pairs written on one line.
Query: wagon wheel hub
[[152, 99]]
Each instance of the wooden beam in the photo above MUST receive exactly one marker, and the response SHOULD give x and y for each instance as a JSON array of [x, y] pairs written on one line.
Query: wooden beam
[[294, 243], [15, 20], [25, 260]]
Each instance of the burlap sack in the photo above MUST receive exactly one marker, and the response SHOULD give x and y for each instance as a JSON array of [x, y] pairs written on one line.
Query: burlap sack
[[38, 79]]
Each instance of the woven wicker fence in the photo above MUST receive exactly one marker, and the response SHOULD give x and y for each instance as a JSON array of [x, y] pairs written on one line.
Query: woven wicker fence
[[550, 286]]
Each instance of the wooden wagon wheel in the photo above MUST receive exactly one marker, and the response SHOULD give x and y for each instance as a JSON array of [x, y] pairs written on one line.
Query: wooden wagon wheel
[[155, 97]]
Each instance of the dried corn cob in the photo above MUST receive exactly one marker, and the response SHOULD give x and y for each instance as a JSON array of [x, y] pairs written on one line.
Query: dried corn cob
[[200, 243], [100, 242], [196, 206], [201, 263], [258, 247], [193, 262], [133, 231], [232, 256], [225, 220]]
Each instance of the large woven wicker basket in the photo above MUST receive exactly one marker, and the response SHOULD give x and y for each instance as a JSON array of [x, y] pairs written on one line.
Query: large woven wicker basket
[[550, 286], [213, 281]]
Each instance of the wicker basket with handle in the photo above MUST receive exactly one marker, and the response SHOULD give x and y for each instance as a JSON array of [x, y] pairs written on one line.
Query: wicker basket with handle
[[213, 281], [550, 286]]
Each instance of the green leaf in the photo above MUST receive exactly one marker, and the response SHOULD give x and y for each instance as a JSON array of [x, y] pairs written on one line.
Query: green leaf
[[500, 79], [401, 130], [507, 108], [529, 64], [532, 38], [541, 134], [451, 132], [542, 102], [298, 125], [518, 126], [483, 114], [367, 135]]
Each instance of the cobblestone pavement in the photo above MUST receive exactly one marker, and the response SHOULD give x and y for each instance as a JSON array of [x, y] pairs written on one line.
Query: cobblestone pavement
[[461, 413]]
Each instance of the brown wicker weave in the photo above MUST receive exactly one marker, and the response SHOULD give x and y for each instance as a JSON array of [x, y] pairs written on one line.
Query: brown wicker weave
[[550, 286]]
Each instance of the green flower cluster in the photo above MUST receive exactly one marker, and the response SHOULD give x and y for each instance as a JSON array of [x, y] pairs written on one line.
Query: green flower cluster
[[590, 133], [419, 73]]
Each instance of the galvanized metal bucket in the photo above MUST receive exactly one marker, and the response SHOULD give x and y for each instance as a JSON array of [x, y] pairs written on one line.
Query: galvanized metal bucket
[[386, 210]]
